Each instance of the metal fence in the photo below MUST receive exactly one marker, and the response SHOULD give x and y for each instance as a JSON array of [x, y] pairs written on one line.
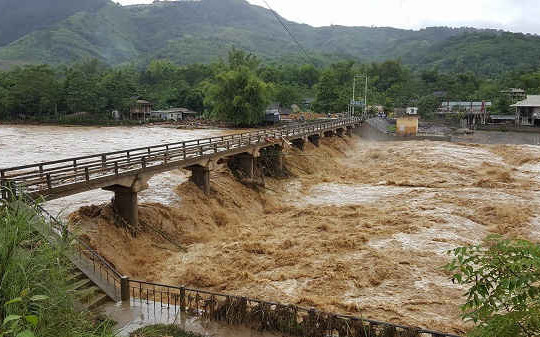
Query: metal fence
[[93, 265], [267, 316]]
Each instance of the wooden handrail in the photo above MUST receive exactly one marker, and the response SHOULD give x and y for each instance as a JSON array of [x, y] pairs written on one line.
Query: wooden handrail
[[48, 175]]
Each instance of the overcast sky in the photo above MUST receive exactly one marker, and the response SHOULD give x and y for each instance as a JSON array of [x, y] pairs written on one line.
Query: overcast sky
[[513, 15]]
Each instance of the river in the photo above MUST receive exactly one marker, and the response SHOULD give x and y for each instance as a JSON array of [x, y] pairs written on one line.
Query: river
[[28, 144], [359, 227]]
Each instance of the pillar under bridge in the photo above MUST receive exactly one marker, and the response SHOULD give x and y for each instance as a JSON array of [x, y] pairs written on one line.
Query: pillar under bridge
[[315, 140], [299, 143], [125, 201], [244, 162], [200, 176]]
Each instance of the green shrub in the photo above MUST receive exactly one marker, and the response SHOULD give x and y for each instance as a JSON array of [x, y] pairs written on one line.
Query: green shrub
[[503, 280], [34, 300]]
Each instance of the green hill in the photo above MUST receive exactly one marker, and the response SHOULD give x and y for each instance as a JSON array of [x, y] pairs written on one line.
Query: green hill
[[202, 31], [20, 17]]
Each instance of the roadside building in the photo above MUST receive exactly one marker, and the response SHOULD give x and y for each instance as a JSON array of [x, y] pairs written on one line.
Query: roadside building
[[515, 94], [407, 125], [471, 113], [307, 103], [140, 110], [528, 111], [272, 114], [456, 107], [174, 114], [412, 111], [502, 119]]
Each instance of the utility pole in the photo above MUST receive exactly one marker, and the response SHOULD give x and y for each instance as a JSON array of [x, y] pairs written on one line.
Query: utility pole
[[354, 94], [365, 98]]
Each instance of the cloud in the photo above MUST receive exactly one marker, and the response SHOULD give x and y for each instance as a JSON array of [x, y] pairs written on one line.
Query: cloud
[[409, 14]]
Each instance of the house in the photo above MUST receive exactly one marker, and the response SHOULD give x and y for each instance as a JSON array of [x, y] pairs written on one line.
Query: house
[[174, 114], [528, 111], [471, 113], [140, 110], [307, 103], [272, 114], [449, 107], [412, 111], [515, 94], [502, 119]]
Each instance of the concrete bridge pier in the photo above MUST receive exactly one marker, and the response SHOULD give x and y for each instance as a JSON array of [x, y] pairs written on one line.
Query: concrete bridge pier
[[246, 162], [329, 133], [339, 132], [315, 140], [125, 201], [126, 204], [299, 143], [349, 131], [271, 160], [200, 175]]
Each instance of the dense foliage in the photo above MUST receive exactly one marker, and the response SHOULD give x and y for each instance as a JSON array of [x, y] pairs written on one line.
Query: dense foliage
[[503, 296], [239, 89], [238, 95], [186, 32], [34, 296]]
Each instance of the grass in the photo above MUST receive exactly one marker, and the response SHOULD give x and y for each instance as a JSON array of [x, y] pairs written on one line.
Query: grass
[[162, 330], [33, 286]]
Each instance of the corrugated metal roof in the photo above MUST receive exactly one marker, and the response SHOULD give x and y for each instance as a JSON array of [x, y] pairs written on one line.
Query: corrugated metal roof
[[532, 101], [465, 104], [503, 117]]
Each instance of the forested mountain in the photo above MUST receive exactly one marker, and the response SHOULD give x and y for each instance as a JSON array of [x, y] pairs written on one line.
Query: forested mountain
[[62, 31], [20, 17]]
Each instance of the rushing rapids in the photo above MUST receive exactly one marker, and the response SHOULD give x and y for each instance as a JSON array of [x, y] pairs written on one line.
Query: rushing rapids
[[358, 227]]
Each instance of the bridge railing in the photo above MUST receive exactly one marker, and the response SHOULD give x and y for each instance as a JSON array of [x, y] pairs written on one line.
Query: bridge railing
[[267, 316], [48, 175], [79, 252]]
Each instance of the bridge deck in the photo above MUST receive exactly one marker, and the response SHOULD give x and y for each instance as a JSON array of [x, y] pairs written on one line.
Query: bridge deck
[[64, 177]]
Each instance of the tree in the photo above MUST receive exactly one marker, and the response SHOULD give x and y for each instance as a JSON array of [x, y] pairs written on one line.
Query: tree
[[118, 87], [286, 95], [81, 92], [502, 105], [238, 96], [503, 296], [308, 75], [239, 59], [32, 90], [427, 106], [332, 95]]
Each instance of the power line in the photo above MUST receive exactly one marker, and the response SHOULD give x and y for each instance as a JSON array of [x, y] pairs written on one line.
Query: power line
[[302, 49]]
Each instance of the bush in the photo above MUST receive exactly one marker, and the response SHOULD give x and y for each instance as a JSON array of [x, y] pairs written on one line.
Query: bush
[[34, 297], [504, 291]]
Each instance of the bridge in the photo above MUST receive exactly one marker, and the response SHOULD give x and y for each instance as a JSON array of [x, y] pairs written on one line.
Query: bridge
[[127, 172]]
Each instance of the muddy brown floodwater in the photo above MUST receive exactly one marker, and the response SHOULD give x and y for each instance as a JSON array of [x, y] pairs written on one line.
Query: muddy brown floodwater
[[360, 227], [27, 144]]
